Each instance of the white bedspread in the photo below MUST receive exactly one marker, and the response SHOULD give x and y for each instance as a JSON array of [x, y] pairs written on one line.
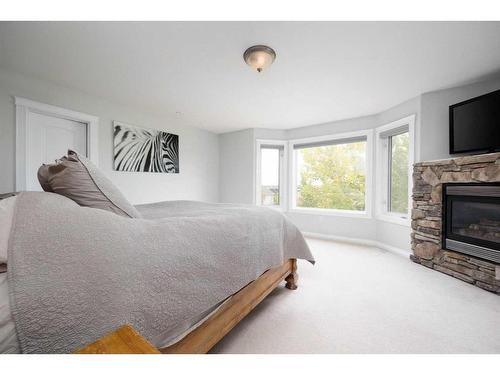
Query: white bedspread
[[10, 345], [76, 273]]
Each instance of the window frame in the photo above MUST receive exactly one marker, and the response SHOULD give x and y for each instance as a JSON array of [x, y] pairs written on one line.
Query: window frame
[[383, 170], [283, 177], [367, 213]]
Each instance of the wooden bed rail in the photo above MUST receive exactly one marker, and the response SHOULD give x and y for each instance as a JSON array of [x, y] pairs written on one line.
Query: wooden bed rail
[[203, 338]]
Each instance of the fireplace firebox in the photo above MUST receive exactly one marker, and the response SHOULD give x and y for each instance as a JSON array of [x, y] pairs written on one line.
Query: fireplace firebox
[[471, 217]]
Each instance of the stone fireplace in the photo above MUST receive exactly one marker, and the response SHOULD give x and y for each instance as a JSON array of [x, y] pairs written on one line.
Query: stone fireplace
[[456, 218]]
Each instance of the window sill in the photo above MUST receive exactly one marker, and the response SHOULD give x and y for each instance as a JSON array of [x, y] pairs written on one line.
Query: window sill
[[394, 219], [330, 212]]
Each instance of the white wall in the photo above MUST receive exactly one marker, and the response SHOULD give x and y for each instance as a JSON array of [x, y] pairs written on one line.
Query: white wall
[[237, 167], [435, 123], [199, 149], [342, 126], [271, 134]]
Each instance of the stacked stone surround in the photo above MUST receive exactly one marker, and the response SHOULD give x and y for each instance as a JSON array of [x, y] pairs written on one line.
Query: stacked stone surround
[[426, 237]]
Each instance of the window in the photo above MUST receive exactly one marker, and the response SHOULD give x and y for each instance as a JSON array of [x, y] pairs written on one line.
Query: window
[[270, 173], [395, 157], [331, 173], [398, 146]]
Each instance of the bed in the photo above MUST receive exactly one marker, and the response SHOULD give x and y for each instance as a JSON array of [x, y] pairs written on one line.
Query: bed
[[202, 337], [184, 275]]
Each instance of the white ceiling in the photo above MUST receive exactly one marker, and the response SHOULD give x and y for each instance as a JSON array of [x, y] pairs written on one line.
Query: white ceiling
[[324, 71]]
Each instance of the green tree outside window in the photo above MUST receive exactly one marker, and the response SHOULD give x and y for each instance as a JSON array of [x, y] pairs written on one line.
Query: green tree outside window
[[332, 176], [399, 147]]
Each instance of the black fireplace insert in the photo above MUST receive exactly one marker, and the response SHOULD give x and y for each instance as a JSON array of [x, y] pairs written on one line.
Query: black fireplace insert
[[471, 219]]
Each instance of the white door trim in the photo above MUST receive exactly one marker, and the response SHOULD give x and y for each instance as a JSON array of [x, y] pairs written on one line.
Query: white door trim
[[26, 106]]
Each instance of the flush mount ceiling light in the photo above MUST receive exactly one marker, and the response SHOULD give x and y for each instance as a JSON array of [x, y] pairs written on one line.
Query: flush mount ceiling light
[[259, 57]]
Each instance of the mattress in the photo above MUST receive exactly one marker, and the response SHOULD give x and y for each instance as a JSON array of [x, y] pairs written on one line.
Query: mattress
[[10, 345]]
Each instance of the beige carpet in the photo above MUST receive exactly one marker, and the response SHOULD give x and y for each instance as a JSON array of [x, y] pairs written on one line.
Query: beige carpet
[[363, 300]]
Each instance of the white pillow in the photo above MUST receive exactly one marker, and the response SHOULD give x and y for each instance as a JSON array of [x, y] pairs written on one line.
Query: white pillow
[[6, 215]]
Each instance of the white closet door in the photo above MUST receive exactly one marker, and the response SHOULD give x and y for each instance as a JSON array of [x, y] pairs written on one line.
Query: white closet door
[[49, 138]]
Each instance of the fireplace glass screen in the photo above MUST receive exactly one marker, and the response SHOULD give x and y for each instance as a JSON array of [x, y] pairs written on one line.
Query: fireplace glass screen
[[477, 220], [472, 219]]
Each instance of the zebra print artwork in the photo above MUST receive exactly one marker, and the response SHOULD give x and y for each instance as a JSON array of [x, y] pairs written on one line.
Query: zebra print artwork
[[145, 150]]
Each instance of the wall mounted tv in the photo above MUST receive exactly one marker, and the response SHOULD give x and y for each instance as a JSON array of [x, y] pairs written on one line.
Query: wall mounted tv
[[475, 124]]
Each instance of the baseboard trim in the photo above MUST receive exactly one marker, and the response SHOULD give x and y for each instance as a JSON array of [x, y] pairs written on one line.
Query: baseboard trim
[[358, 241]]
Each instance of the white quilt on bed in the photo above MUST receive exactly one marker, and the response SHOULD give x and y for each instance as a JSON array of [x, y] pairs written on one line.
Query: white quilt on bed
[[76, 274]]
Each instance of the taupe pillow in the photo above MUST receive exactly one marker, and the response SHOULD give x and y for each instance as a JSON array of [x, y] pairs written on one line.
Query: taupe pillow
[[75, 177]]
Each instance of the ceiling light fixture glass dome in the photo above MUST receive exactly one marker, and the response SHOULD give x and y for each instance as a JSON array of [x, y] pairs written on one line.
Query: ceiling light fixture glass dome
[[259, 57]]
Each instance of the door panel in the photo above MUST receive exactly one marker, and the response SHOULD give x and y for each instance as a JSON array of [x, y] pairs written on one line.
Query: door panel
[[48, 138]]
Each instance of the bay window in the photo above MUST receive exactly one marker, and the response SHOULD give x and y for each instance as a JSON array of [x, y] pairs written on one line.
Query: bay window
[[331, 174]]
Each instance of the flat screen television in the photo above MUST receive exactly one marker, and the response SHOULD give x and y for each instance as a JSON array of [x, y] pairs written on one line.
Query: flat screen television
[[475, 124]]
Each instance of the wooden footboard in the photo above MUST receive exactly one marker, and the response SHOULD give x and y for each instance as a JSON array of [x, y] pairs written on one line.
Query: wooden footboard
[[127, 341], [203, 338]]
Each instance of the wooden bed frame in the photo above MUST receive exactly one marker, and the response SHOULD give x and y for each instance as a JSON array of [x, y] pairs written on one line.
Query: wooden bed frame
[[212, 330]]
